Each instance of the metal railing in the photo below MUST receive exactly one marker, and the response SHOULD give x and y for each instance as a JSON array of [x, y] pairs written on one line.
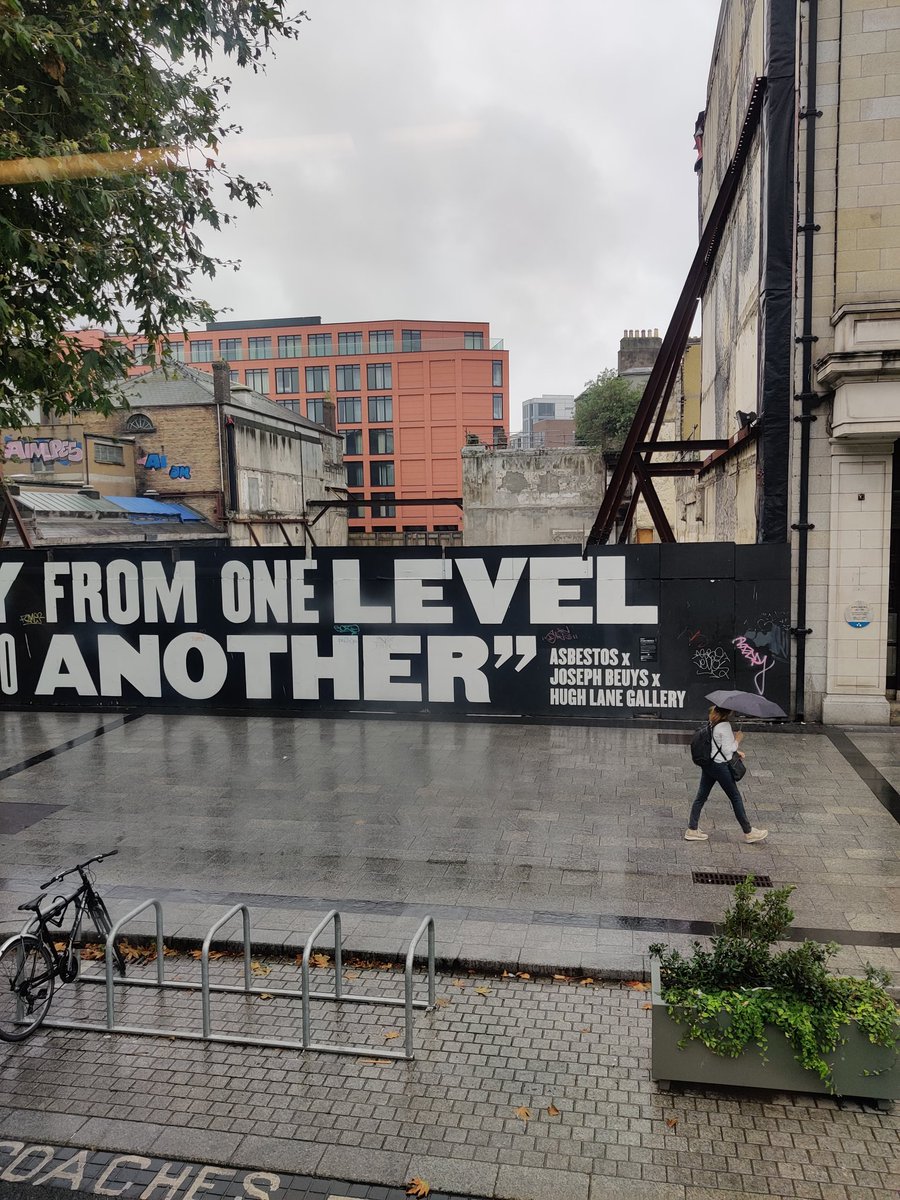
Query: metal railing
[[305, 993]]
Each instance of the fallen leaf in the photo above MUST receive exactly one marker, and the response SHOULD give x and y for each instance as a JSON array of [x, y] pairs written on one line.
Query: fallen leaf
[[351, 974], [260, 968], [522, 975], [320, 960], [637, 986], [460, 983], [391, 1034], [264, 995], [196, 953], [441, 1002], [506, 975], [92, 951], [169, 952], [587, 979], [552, 1110], [373, 1062], [672, 1123], [561, 978], [418, 1187], [584, 1029], [59, 946], [523, 1113], [647, 1005], [482, 991]]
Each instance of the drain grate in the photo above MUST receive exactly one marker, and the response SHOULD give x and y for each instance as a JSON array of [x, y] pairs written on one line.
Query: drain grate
[[761, 881], [674, 739]]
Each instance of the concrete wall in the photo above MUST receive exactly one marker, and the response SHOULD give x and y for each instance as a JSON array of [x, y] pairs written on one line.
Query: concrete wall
[[279, 472], [526, 497]]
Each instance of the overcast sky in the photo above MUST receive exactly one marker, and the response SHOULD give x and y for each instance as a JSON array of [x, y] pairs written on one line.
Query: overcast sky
[[528, 164]]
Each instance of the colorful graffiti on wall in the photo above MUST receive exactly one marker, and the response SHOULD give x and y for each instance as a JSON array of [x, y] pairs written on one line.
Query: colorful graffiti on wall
[[45, 449], [159, 462]]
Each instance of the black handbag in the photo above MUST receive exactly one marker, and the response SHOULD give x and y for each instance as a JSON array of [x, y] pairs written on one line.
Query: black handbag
[[737, 767]]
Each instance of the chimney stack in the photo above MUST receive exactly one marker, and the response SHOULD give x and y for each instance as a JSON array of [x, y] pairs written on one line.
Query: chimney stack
[[221, 382], [328, 417]]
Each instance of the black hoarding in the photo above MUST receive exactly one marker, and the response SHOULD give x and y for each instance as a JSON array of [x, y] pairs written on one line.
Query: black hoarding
[[521, 630]]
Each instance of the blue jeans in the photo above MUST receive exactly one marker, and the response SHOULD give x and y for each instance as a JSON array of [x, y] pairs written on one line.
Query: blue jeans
[[719, 773]]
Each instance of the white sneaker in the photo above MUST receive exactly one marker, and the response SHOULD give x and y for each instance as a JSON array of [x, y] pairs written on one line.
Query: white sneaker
[[756, 835], [695, 835]]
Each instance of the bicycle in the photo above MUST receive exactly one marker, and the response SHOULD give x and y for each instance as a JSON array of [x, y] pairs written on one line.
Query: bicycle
[[30, 962]]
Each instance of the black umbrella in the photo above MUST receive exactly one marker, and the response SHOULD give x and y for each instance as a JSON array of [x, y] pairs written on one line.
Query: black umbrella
[[748, 704]]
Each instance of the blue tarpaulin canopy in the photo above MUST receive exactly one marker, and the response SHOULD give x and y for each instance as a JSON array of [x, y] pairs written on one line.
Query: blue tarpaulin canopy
[[148, 507]]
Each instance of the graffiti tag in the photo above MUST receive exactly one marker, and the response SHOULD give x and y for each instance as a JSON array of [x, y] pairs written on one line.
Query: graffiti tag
[[56, 450], [713, 662], [755, 659], [562, 633], [32, 618], [159, 462]]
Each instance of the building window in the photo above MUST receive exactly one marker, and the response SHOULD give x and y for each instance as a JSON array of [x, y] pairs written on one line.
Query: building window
[[349, 409], [290, 345], [378, 376], [234, 376], [350, 343], [381, 474], [293, 405], [104, 453], [137, 422], [381, 341], [356, 511], [319, 345], [259, 347], [315, 410], [498, 372], [381, 441], [231, 349], [381, 408], [355, 477], [473, 341], [346, 379], [287, 379], [352, 441], [201, 351], [412, 339], [316, 378], [498, 408], [140, 353], [499, 435], [174, 351], [384, 510], [258, 379]]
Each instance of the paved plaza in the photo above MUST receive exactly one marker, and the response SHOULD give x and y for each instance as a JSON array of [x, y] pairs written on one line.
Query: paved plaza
[[540, 849]]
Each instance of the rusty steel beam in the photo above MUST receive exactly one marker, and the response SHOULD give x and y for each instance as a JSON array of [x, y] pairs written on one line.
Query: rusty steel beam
[[675, 340]]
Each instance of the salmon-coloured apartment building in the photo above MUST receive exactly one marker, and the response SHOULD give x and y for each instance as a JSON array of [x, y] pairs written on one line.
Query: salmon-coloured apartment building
[[406, 395]]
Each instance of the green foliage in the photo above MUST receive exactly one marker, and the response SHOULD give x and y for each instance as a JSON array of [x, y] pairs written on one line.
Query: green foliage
[[604, 411], [98, 76], [726, 995]]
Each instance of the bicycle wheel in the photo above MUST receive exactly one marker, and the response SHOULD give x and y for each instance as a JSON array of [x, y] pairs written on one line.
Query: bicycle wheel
[[103, 924], [26, 986]]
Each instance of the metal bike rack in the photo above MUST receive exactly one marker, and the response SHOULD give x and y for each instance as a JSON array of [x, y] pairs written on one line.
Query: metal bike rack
[[304, 993]]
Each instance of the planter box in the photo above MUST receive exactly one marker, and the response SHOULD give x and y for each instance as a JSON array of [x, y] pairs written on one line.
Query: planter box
[[781, 1073]]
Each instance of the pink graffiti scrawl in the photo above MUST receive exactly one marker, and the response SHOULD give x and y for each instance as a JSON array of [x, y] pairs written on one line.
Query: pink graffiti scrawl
[[755, 659]]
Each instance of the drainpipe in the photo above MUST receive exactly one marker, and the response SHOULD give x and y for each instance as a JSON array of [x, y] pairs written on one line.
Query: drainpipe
[[221, 373], [808, 398]]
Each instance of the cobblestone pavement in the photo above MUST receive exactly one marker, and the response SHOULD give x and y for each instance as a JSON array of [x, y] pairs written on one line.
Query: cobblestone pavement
[[575, 1055], [535, 846]]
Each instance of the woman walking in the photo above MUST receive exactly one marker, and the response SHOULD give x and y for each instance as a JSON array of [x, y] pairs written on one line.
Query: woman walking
[[724, 744]]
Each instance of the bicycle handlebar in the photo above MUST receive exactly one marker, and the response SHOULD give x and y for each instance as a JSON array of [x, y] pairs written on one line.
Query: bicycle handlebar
[[79, 867]]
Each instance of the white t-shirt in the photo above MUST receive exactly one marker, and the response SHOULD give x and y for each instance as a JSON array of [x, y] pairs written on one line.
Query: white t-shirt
[[723, 737]]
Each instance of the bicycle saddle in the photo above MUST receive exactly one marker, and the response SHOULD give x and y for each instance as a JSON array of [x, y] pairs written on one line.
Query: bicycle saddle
[[56, 906]]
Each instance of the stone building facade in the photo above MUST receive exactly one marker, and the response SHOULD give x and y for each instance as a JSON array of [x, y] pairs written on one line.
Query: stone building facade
[[801, 332], [248, 465]]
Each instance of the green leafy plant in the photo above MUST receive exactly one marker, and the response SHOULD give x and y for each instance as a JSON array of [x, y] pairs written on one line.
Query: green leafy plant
[[727, 994]]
